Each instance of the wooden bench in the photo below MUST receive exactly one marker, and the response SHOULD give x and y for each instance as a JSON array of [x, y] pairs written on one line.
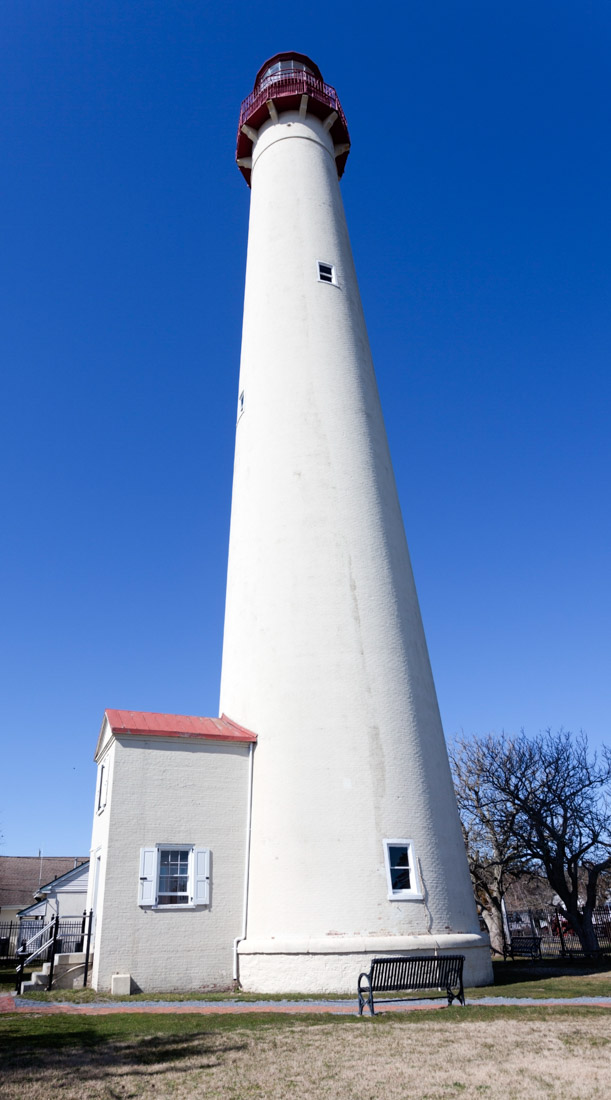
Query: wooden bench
[[410, 974], [528, 946]]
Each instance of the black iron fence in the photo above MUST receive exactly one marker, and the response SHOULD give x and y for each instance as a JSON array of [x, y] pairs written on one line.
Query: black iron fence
[[9, 938], [558, 938]]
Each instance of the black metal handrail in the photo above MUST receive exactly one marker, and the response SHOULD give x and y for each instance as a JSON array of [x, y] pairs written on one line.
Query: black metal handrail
[[88, 920], [25, 957], [26, 944]]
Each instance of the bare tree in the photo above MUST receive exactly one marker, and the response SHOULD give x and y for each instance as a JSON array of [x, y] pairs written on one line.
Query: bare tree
[[494, 854], [551, 801]]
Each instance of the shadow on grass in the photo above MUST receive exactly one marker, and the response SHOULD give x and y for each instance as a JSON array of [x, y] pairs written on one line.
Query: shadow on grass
[[516, 973], [83, 1051], [23, 1034]]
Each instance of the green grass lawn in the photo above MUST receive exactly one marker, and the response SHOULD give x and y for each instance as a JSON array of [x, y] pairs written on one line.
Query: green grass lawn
[[56, 1032], [500, 1053]]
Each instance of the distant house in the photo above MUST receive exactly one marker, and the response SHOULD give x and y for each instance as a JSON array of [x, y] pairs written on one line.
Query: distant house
[[63, 897], [22, 877]]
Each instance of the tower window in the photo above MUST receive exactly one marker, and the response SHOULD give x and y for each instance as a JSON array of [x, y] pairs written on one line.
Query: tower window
[[326, 273], [240, 404], [401, 871]]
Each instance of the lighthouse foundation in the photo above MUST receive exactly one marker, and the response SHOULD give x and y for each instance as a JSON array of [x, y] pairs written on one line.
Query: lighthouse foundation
[[331, 964]]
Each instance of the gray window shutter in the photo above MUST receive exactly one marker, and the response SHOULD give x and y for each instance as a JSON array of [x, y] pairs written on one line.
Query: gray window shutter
[[201, 892], [147, 892]]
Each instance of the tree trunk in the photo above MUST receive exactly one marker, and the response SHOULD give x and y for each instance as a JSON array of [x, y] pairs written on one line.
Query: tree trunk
[[580, 921], [493, 919], [583, 928]]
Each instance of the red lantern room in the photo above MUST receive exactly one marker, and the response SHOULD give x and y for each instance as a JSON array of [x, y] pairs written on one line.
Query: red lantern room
[[290, 82]]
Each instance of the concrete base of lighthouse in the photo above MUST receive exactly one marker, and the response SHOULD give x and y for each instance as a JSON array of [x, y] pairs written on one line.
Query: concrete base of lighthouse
[[332, 964]]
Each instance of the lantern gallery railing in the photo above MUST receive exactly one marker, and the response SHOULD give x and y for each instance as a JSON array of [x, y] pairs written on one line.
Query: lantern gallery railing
[[286, 84]]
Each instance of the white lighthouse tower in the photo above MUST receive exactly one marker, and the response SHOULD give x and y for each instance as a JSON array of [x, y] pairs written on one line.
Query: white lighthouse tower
[[356, 847]]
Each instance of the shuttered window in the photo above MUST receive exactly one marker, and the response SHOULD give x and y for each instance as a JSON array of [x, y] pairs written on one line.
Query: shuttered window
[[174, 875]]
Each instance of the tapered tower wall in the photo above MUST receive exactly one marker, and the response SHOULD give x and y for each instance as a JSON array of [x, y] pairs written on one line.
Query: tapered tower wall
[[324, 652]]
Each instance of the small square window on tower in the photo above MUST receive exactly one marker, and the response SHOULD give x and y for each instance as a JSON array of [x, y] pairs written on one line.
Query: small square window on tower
[[326, 273], [401, 871]]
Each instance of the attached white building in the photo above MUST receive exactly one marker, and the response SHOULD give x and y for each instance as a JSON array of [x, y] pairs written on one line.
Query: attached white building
[[168, 852]]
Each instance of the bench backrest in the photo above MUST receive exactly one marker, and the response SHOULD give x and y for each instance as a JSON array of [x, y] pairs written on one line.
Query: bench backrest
[[416, 972]]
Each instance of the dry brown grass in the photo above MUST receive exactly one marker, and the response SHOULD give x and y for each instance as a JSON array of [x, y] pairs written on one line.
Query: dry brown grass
[[499, 1059]]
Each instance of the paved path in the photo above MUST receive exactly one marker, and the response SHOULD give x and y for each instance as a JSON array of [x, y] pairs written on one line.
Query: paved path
[[10, 1003]]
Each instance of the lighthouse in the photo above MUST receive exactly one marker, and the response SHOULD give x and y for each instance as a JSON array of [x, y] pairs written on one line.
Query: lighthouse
[[355, 845], [313, 825]]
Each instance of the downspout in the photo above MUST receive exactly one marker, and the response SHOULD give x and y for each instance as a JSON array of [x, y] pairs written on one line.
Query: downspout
[[239, 939]]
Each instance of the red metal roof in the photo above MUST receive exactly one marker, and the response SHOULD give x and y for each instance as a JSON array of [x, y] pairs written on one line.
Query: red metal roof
[[143, 723]]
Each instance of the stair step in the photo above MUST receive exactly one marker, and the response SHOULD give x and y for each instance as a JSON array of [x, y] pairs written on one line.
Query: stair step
[[38, 980]]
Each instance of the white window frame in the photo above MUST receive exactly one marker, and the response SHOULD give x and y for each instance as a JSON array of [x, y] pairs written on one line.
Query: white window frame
[[328, 282], [198, 884], [415, 891], [102, 791]]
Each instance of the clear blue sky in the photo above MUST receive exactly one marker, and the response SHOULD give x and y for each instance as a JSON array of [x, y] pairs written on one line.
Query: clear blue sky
[[477, 196]]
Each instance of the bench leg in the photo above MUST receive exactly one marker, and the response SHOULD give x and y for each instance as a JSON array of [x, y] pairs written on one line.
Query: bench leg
[[368, 1000], [460, 996]]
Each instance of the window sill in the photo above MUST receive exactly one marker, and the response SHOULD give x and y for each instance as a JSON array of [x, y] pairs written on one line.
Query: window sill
[[182, 905], [172, 908], [406, 895]]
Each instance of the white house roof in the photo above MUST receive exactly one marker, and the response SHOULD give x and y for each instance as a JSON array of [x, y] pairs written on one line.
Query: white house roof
[[62, 880]]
